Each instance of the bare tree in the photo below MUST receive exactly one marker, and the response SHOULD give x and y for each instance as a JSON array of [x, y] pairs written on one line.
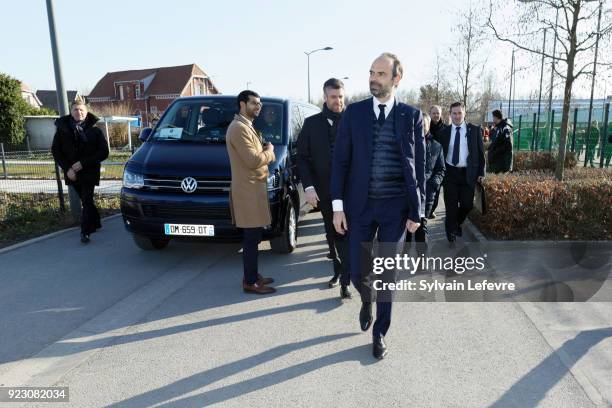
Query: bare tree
[[576, 33], [484, 99], [470, 35]]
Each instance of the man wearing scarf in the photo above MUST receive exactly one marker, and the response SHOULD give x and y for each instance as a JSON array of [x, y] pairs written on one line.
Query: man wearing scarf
[[78, 148], [315, 152]]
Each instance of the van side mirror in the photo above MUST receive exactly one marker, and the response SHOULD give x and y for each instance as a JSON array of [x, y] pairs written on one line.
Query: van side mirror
[[144, 134]]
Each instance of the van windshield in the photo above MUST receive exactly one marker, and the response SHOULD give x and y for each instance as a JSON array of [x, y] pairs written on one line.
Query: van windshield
[[207, 121]]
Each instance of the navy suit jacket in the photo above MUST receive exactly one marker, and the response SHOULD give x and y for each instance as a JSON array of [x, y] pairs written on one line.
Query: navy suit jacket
[[351, 166], [475, 158]]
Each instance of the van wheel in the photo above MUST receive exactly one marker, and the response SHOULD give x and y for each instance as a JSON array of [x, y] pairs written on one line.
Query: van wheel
[[287, 241], [149, 244]]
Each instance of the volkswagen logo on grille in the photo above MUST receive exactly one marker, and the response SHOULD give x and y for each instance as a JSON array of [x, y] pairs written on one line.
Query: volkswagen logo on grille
[[189, 184]]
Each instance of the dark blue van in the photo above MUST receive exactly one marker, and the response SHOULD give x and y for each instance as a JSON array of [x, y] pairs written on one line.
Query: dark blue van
[[177, 183]]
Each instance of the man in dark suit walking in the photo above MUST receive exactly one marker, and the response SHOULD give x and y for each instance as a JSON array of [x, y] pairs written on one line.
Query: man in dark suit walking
[[315, 149], [378, 182], [465, 165]]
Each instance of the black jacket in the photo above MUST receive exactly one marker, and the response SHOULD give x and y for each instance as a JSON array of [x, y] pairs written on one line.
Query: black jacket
[[475, 158], [315, 155], [434, 171], [67, 149], [500, 149], [437, 128]]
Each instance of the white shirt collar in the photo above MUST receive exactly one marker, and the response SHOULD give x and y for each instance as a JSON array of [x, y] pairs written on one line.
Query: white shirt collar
[[462, 126], [388, 105]]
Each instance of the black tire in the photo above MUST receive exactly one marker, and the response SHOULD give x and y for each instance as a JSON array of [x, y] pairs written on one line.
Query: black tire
[[149, 244], [287, 241]]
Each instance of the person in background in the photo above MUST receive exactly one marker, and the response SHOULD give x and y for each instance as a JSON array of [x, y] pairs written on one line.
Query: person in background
[[79, 148], [249, 159], [434, 174], [315, 152], [591, 143], [465, 165], [500, 149], [436, 128]]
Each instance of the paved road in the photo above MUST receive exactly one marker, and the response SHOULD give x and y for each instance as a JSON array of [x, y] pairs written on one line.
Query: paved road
[[127, 328]]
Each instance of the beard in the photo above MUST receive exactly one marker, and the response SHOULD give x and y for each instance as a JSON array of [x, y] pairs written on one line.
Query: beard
[[380, 90], [253, 113]]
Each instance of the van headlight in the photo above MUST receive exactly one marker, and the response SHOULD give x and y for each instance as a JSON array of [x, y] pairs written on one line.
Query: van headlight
[[132, 180], [273, 182]]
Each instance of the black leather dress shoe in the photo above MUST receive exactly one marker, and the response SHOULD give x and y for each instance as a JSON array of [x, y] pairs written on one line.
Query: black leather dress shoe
[[365, 316], [379, 348], [432, 216], [345, 293], [333, 282], [85, 238]]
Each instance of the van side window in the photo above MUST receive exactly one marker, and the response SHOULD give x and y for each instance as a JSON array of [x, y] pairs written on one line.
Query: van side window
[[308, 111], [296, 123]]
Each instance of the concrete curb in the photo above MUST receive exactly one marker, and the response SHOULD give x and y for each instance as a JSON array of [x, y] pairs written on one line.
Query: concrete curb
[[47, 236], [474, 231], [587, 386]]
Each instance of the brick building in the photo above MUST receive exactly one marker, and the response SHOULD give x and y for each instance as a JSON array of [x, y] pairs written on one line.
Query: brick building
[[148, 92]]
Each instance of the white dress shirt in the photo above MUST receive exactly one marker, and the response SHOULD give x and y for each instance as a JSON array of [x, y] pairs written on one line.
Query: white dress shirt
[[337, 205], [463, 146]]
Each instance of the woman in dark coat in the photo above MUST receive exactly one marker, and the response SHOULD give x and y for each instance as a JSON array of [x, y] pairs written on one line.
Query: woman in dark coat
[[78, 148]]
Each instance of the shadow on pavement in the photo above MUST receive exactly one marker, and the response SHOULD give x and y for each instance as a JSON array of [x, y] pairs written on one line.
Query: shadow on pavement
[[218, 395], [530, 390]]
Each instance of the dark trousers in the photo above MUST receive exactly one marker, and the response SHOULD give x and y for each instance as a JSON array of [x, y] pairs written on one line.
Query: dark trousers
[[338, 244], [434, 205], [250, 242], [458, 198], [386, 218], [90, 218]]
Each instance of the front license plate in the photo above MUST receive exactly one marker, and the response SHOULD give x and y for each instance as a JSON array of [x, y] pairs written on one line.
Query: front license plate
[[190, 229]]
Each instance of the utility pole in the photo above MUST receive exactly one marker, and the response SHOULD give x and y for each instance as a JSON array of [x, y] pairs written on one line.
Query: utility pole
[[537, 127], [588, 132], [552, 77], [62, 103]]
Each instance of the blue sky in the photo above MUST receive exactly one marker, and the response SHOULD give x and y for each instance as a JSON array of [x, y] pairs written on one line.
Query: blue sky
[[237, 42]]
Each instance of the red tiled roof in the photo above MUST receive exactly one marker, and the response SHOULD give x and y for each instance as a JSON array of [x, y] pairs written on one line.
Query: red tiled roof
[[167, 80]]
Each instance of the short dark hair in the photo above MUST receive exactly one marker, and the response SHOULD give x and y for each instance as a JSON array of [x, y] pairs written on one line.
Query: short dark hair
[[457, 104], [244, 96], [333, 83], [398, 69], [497, 114]]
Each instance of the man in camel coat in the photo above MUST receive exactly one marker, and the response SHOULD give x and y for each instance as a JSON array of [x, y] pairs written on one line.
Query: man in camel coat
[[249, 160]]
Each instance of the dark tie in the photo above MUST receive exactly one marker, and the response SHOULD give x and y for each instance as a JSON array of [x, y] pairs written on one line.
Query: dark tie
[[456, 147], [381, 115]]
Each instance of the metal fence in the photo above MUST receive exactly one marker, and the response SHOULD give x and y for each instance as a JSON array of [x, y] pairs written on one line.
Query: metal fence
[[29, 181], [590, 141]]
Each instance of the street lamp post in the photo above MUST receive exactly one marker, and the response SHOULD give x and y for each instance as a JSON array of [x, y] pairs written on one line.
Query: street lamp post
[[308, 55]]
